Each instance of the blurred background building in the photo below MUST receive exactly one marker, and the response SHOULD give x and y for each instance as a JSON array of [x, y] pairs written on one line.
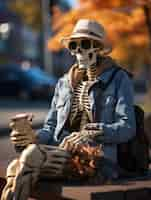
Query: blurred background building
[[25, 27], [21, 28]]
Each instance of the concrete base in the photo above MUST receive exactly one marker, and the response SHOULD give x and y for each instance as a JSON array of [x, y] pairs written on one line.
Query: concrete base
[[121, 190], [138, 189]]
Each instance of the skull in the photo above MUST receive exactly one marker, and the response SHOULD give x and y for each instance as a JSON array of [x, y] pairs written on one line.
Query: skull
[[86, 51]]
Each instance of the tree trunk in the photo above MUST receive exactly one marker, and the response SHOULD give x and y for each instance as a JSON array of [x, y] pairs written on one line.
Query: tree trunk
[[147, 13], [147, 10]]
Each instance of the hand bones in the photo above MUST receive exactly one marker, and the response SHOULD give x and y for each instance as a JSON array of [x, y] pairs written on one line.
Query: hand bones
[[77, 138], [22, 133]]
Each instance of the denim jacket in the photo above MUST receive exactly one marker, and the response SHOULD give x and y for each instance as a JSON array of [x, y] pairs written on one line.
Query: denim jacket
[[112, 109]]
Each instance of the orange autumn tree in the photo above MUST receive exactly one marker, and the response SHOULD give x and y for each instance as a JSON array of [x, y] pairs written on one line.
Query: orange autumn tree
[[124, 21]]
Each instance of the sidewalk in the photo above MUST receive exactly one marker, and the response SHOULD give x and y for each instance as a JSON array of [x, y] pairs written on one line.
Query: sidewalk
[[9, 108]]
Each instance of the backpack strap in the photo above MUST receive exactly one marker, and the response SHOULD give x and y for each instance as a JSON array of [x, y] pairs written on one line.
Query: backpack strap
[[111, 77], [117, 68]]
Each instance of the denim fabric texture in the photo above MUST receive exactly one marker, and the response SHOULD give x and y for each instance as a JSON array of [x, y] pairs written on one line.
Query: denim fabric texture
[[112, 109]]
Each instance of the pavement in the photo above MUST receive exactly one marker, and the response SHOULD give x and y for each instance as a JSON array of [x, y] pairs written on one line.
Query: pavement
[[11, 107]]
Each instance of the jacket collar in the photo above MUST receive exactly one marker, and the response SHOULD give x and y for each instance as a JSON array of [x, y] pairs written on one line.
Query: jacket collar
[[106, 74], [109, 67]]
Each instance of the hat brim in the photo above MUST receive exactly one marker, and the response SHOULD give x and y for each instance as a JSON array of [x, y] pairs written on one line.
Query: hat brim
[[107, 48]]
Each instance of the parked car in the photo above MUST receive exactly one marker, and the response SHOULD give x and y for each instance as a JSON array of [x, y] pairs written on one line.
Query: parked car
[[26, 83]]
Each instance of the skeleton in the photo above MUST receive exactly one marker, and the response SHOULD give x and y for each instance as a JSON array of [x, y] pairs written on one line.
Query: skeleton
[[86, 58], [80, 109]]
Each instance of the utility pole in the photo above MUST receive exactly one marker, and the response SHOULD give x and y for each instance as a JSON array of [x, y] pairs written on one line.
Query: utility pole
[[46, 34]]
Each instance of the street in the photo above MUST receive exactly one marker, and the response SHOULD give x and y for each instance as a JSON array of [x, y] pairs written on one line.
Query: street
[[11, 107]]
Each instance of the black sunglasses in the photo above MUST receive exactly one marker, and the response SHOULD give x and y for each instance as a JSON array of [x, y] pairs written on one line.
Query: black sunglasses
[[84, 44]]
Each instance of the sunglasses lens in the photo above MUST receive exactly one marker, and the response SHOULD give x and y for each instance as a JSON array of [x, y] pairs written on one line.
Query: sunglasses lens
[[72, 45], [97, 44], [86, 44]]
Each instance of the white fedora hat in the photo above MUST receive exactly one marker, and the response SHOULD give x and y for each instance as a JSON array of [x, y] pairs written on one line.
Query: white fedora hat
[[89, 29]]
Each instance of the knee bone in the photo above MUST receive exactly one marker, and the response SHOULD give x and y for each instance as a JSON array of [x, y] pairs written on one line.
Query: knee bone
[[32, 156]]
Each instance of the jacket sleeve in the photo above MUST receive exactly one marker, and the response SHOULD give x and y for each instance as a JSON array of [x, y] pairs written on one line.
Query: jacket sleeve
[[124, 126], [45, 135]]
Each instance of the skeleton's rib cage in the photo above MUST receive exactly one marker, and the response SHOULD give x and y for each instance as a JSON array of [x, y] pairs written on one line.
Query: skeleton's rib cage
[[81, 102]]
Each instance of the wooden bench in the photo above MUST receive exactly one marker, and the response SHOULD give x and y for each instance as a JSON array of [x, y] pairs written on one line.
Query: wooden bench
[[121, 190], [132, 189]]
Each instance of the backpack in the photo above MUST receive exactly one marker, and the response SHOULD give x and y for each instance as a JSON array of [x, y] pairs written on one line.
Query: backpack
[[133, 156]]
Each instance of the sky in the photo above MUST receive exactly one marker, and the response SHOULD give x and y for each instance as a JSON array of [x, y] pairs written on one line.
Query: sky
[[73, 3]]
